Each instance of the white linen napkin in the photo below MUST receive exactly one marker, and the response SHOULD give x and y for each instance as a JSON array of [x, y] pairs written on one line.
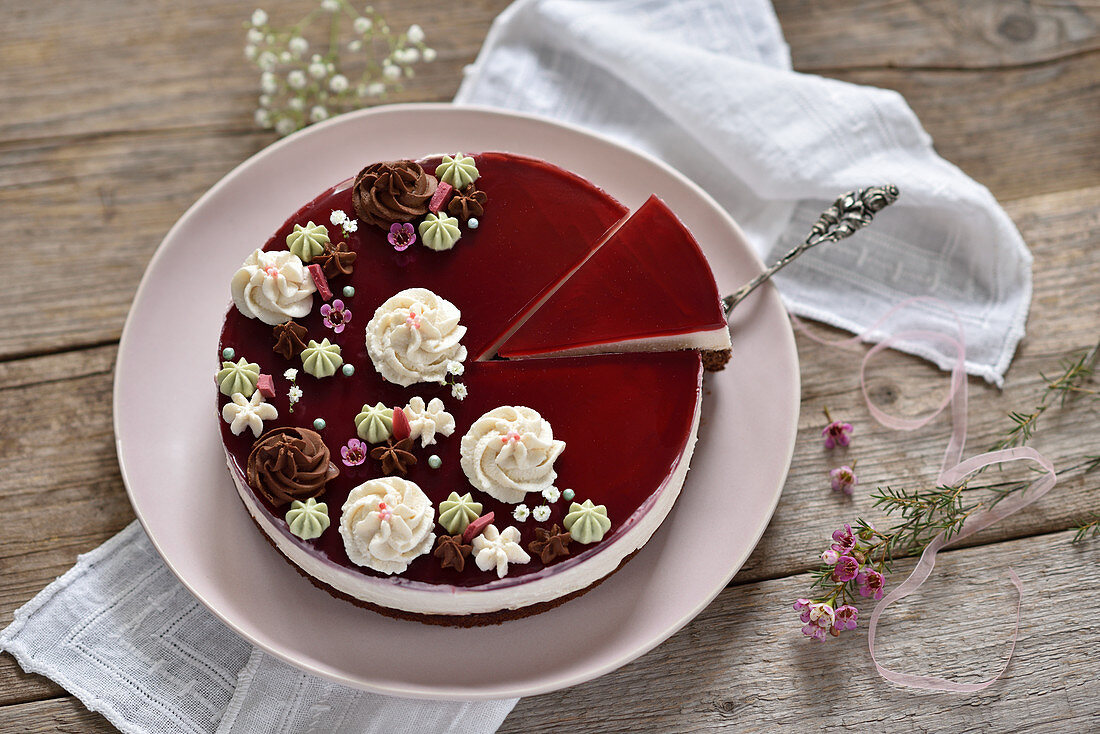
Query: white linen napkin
[[120, 633], [707, 86]]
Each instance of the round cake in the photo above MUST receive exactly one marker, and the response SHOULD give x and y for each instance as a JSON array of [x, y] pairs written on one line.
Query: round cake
[[464, 389]]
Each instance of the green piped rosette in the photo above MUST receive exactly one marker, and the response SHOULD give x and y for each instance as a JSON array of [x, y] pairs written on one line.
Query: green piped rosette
[[308, 519], [307, 242], [374, 424], [459, 171], [455, 512], [321, 360], [240, 377], [439, 232], [587, 523]]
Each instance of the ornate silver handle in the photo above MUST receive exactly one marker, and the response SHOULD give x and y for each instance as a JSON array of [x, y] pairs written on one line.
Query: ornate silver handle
[[850, 213]]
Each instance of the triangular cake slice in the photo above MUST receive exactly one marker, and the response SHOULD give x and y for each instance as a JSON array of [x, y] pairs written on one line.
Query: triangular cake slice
[[648, 288]]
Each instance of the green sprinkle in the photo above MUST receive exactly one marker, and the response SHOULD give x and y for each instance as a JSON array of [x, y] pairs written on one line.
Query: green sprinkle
[[319, 424], [228, 353], [434, 461], [568, 495], [349, 291], [348, 370]]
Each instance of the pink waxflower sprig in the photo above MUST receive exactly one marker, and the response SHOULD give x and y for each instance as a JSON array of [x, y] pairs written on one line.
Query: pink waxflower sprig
[[836, 433], [852, 567]]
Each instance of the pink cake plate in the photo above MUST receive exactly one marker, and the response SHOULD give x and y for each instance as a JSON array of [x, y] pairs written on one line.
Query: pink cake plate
[[172, 462]]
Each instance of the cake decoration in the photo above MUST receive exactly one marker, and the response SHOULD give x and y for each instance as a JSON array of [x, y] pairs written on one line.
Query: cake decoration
[[307, 242], [458, 391], [541, 513], [568, 495], [355, 453], [241, 377], [293, 395], [266, 386], [551, 494], [386, 523], [401, 236], [321, 360], [521, 513], [241, 413], [401, 427], [395, 456], [319, 424], [228, 353], [472, 223], [467, 204], [413, 336], [336, 260], [476, 526], [340, 218], [349, 291], [426, 420], [452, 552], [495, 549], [348, 370], [509, 452], [335, 316], [439, 232], [289, 464], [587, 523], [273, 287], [308, 519], [456, 513], [320, 282], [550, 544], [434, 461], [442, 193], [459, 171], [289, 339], [392, 191], [374, 423]]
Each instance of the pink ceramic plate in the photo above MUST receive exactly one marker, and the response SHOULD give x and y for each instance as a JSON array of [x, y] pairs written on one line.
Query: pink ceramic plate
[[174, 469]]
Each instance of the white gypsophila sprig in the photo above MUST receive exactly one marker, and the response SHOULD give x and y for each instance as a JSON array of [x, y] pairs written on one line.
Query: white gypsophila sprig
[[356, 59]]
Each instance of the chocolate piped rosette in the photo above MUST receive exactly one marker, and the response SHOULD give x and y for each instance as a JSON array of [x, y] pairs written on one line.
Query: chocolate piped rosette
[[466, 388]]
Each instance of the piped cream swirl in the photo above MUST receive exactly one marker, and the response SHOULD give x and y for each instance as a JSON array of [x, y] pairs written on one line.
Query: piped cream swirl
[[273, 287], [413, 336], [386, 523], [509, 452]]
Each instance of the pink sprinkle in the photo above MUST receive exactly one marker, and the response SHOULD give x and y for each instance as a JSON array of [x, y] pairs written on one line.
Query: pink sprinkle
[[272, 271], [413, 320], [442, 193], [509, 437], [320, 281], [266, 386], [381, 505]]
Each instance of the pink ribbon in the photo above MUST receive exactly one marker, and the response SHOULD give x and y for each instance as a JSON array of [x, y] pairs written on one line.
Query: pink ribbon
[[953, 471]]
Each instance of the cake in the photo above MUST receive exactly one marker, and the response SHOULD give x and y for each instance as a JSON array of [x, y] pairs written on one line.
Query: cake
[[465, 389]]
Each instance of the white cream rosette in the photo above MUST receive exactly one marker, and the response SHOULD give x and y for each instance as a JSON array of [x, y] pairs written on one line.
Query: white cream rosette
[[426, 420], [386, 523], [509, 452], [273, 287], [413, 336]]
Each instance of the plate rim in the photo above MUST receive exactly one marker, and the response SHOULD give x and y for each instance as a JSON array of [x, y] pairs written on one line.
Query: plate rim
[[426, 692]]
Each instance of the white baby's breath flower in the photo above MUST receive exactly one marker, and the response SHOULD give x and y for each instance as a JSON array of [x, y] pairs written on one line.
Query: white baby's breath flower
[[250, 52], [338, 83], [458, 391], [429, 55], [338, 216], [391, 72], [259, 17], [255, 35], [318, 113], [265, 100], [330, 6], [268, 83], [551, 494], [521, 513], [355, 45], [263, 118], [285, 126], [361, 25], [317, 70], [376, 89], [296, 79], [350, 226], [291, 374], [298, 45], [455, 367], [541, 513], [294, 393], [285, 57], [296, 103], [415, 34], [267, 61]]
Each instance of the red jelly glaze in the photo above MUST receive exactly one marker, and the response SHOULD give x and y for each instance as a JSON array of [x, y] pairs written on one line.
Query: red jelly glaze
[[649, 279], [625, 418]]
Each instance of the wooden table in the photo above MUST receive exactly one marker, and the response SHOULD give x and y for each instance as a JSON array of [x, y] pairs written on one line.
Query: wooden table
[[114, 119]]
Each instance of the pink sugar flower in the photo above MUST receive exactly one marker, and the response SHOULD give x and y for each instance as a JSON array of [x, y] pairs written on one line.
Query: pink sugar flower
[[830, 557], [845, 617], [401, 235], [844, 479], [843, 540], [845, 569], [871, 583], [355, 453], [336, 317]]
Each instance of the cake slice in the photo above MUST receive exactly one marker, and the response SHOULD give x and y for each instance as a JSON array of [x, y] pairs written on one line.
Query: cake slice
[[647, 288]]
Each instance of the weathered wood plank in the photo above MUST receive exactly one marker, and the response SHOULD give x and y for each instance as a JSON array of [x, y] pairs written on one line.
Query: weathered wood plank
[[743, 663], [64, 715]]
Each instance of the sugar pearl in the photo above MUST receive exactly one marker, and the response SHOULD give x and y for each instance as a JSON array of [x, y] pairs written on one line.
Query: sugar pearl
[[348, 370], [319, 424], [568, 495], [349, 291], [472, 223], [434, 461], [228, 353]]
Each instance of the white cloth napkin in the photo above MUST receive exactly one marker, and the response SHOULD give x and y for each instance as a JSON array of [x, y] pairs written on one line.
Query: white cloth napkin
[[707, 86], [121, 634]]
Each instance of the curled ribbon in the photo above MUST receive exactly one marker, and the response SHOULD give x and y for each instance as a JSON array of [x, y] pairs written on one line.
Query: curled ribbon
[[953, 471]]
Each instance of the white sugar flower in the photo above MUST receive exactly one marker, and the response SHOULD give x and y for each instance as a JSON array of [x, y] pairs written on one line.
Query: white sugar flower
[[296, 79], [268, 83], [338, 83], [318, 113], [285, 126], [521, 513], [263, 118], [458, 391], [415, 34], [330, 6], [317, 70], [427, 420], [495, 549], [255, 35], [455, 367], [259, 17], [338, 216], [429, 55], [551, 494], [267, 61], [298, 45], [243, 413], [391, 72], [294, 393], [291, 374], [361, 25], [541, 513]]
